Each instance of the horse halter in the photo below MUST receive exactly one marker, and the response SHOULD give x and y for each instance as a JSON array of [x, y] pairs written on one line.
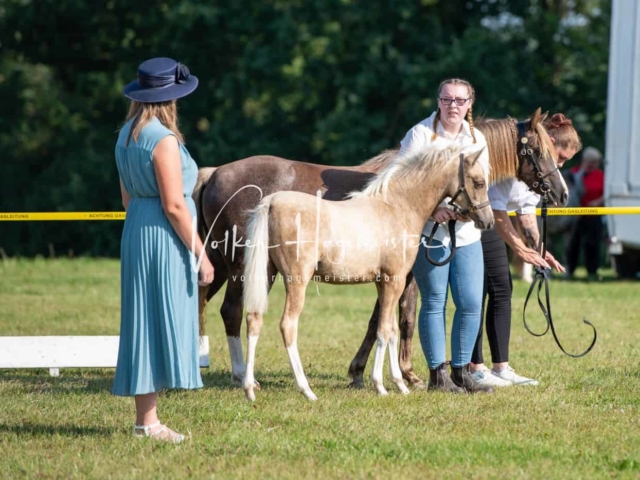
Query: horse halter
[[462, 190], [526, 154], [542, 275]]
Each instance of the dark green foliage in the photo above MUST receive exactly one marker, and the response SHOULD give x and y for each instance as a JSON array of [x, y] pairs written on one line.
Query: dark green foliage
[[331, 81]]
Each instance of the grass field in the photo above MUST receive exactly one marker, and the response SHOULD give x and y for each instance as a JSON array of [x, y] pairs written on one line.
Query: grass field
[[583, 421]]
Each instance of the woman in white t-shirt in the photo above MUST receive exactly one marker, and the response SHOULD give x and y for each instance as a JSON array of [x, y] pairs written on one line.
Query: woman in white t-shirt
[[465, 273], [508, 196]]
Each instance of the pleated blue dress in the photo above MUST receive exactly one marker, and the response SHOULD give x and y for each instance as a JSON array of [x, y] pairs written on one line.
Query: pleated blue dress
[[159, 291]]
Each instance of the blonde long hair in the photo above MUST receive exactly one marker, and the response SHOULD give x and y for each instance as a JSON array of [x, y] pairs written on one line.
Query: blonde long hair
[[472, 96], [143, 113]]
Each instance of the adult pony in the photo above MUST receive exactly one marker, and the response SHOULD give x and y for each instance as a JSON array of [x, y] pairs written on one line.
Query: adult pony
[[371, 237], [232, 190]]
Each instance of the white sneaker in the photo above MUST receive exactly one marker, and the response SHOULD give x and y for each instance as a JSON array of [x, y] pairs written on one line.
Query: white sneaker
[[486, 377], [512, 377]]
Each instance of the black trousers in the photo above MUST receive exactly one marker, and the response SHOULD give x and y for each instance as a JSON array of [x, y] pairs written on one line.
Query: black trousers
[[588, 231], [498, 288]]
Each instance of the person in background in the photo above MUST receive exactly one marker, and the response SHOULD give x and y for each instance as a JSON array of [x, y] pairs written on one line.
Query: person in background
[[589, 228], [160, 249]]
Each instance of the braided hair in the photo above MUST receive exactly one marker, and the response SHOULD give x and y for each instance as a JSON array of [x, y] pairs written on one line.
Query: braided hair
[[470, 120], [434, 127]]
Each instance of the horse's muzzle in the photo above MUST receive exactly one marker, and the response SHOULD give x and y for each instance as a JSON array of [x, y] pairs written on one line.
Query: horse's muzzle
[[559, 202], [484, 224]]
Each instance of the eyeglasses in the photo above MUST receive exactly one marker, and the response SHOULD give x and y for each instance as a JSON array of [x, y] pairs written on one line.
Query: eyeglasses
[[449, 101]]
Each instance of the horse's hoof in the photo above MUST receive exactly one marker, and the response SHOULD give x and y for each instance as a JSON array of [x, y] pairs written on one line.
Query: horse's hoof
[[239, 382], [356, 384], [412, 379], [310, 395], [403, 389], [419, 386], [381, 390], [251, 396]]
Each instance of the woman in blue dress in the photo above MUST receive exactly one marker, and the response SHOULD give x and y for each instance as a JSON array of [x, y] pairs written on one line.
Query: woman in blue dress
[[162, 257]]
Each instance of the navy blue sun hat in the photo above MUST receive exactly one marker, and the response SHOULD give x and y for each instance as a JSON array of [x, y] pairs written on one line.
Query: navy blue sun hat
[[161, 80]]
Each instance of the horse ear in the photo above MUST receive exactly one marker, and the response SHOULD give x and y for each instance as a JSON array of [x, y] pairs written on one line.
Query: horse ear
[[475, 156], [536, 118], [544, 116]]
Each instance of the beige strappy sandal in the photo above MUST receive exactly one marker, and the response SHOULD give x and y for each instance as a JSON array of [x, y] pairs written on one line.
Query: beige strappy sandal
[[157, 431]]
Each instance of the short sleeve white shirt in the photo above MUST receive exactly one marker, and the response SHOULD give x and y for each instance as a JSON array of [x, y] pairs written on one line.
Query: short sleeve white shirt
[[513, 195]]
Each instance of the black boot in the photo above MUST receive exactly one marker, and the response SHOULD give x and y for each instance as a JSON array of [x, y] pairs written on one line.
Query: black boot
[[462, 378], [440, 380]]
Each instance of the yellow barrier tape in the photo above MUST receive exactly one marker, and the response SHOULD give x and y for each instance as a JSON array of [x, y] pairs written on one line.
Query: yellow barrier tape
[[65, 216], [51, 216], [588, 211]]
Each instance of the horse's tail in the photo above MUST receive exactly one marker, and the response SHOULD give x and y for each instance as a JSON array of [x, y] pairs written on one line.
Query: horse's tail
[[256, 259], [204, 174]]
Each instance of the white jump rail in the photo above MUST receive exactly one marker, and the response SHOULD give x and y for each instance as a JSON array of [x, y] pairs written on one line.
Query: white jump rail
[[56, 352]]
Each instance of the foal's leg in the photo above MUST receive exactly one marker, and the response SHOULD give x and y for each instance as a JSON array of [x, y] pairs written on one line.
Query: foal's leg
[[388, 294], [289, 329], [394, 366], [254, 325], [359, 362], [408, 303], [231, 311]]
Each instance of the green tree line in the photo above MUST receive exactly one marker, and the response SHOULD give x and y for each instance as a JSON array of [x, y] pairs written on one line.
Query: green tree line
[[329, 81]]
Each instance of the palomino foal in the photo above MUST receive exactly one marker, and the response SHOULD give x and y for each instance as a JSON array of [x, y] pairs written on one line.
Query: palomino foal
[[371, 237]]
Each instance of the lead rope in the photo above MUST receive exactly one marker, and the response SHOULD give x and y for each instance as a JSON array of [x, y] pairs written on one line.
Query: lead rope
[[452, 235], [541, 278]]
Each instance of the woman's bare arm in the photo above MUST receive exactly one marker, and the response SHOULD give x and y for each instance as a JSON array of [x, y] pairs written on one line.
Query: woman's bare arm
[[166, 162], [125, 196], [529, 224], [510, 236]]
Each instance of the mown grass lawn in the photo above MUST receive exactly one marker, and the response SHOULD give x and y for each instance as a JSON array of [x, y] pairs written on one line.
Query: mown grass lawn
[[583, 421]]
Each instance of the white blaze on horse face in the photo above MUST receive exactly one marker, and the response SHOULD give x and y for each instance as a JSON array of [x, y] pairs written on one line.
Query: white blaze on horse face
[[564, 185], [560, 163], [238, 366]]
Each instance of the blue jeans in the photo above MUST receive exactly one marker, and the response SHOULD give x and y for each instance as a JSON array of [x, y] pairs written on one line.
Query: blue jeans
[[465, 274]]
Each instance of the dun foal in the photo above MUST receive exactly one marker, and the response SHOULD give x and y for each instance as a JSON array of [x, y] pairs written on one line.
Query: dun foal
[[371, 237]]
